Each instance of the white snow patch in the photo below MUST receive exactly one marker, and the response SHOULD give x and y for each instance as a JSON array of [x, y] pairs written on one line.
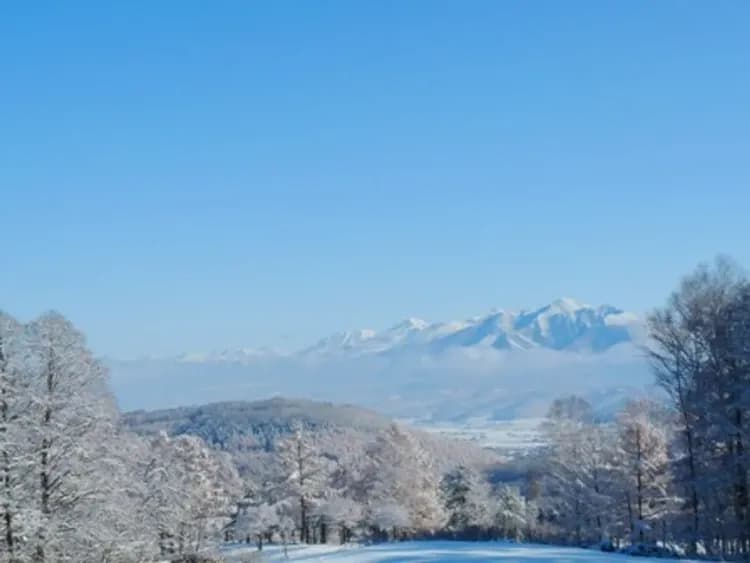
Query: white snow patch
[[506, 436], [621, 319], [437, 552]]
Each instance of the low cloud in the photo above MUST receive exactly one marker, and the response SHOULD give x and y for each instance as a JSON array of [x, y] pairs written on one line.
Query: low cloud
[[457, 383]]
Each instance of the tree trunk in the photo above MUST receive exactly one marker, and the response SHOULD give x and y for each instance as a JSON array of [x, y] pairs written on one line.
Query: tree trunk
[[303, 530], [599, 526], [639, 480], [7, 514], [741, 489], [630, 517], [694, 493], [9, 542], [44, 477]]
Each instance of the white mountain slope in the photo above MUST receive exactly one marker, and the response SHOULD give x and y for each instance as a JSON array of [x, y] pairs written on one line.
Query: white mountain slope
[[562, 325], [501, 365]]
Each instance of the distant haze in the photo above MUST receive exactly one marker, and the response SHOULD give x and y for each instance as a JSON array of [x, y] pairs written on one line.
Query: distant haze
[[502, 365]]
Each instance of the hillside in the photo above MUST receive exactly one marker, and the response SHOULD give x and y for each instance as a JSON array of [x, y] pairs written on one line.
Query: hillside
[[226, 424], [250, 431]]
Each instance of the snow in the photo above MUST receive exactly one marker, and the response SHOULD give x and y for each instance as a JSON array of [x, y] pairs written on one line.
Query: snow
[[568, 305], [434, 552], [505, 436], [560, 324], [412, 323], [621, 319]]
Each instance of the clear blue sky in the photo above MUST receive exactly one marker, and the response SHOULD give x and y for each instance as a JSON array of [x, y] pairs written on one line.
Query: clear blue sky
[[179, 176]]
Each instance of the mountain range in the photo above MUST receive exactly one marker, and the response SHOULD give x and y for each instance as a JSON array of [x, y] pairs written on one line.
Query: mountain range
[[502, 364], [564, 324]]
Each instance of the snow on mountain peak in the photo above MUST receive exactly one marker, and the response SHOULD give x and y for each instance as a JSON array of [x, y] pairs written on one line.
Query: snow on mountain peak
[[500, 362], [349, 338], [411, 323], [567, 305], [564, 324]]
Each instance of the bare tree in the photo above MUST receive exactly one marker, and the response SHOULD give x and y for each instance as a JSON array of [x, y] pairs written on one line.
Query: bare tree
[[700, 360], [643, 442]]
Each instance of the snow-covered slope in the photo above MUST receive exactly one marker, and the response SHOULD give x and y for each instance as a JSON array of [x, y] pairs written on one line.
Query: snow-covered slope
[[435, 551], [499, 366], [564, 324]]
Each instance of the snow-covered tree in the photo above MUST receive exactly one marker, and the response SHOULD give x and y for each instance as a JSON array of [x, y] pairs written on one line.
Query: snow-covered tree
[[74, 485], [466, 497], [16, 461], [75, 417], [390, 518], [305, 475], [511, 517], [403, 473], [342, 513], [643, 435], [256, 522], [700, 357], [578, 469], [192, 492], [164, 501]]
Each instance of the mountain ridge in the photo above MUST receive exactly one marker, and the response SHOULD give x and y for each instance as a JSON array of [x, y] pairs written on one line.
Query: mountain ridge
[[502, 365], [563, 324]]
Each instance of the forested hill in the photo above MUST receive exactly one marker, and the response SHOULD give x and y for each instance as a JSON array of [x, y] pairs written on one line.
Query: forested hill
[[253, 424], [250, 431]]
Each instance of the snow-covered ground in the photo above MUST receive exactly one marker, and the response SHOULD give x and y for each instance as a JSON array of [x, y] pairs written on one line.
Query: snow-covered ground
[[505, 436], [433, 552]]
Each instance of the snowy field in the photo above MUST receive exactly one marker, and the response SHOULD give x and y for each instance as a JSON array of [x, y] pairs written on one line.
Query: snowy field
[[434, 552], [508, 437]]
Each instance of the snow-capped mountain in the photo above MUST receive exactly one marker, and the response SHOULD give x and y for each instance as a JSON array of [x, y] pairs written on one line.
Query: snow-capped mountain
[[564, 324], [499, 365]]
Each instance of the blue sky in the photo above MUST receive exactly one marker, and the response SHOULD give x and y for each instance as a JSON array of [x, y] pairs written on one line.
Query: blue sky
[[188, 175]]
